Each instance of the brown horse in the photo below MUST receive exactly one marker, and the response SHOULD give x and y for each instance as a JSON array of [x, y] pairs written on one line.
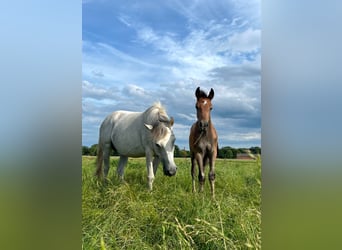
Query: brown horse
[[203, 141]]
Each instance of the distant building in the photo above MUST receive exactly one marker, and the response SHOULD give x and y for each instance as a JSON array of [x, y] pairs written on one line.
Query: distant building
[[246, 156]]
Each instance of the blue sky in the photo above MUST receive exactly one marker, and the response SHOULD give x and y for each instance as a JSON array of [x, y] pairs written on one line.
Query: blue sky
[[135, 53]]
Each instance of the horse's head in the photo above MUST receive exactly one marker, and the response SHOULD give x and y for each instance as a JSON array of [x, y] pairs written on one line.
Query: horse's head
[[203, 107], [163, 141]]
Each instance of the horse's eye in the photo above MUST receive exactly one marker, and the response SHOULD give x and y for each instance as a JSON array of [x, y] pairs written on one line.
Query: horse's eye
[[211, 108], [158, 145]]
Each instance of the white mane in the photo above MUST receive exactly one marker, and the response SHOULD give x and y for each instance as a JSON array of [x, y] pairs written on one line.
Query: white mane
[[156, 113]]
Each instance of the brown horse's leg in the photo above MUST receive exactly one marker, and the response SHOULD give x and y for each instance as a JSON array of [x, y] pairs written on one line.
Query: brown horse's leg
[[211, 175], [193, 172], [201, 176]]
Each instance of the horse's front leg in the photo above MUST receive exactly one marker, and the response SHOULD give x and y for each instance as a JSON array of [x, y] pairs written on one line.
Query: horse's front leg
[[193, 173], [211, 174], [156, 162], [201, 176], [150, 172]]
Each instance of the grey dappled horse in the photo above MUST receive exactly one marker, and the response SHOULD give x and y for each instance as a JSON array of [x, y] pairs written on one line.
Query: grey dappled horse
[[137, 134]]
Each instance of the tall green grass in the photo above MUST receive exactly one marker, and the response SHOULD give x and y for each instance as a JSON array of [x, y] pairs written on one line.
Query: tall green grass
[[118, 215]]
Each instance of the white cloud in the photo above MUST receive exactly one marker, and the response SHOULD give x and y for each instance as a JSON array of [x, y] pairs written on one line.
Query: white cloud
[[248, 136], [92, 120], [135, 91], [196, 54], [246, 41], [97, 73], [125, 20], [124, 57], [147, 35], [90, 90], [189, 117]]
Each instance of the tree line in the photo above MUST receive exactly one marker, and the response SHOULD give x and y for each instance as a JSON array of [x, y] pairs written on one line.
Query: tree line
[[224, 152]]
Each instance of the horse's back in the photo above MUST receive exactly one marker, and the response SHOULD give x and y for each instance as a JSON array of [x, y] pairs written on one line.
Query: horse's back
[[126, 120], [126, 132]]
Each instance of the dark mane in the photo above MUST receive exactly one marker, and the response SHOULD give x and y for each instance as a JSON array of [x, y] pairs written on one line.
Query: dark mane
[[202, 94]]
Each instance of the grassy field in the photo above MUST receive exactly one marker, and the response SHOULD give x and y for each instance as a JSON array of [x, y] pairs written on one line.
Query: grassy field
[[120, 215]]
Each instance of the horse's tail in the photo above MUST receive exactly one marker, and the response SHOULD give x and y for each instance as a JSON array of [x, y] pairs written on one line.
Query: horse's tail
[[99, 160]]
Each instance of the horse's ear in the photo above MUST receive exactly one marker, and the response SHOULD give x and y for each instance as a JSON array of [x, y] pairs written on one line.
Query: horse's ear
[[211, 94], [197, 93], [172, 121], [148, 126]]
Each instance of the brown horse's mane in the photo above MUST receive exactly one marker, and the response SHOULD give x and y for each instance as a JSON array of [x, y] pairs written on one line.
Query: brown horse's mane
[[202, 94]]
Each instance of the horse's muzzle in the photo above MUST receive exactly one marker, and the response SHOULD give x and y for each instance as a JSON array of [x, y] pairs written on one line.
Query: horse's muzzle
[[170, 172]]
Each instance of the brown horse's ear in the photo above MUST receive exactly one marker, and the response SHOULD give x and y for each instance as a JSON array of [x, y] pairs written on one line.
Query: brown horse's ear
[[197, 93], [172, 121], [211, 94]]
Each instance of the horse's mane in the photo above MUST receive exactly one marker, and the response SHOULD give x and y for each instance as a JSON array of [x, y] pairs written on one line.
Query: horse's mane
[[156, 115], [202, 94], [160, 107], [159, 131]]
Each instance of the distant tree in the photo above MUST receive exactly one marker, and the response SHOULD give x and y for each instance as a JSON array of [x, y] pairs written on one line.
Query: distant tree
[[234, 150], [255, 150], [227, 153], [85, 150], [241, 150], [184, 153], [221, 153], [93, 150], [181, 152], [176, 152]]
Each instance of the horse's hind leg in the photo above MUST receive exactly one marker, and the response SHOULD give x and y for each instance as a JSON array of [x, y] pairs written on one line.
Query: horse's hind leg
[[121, 167], [99, 161], [106, 155]]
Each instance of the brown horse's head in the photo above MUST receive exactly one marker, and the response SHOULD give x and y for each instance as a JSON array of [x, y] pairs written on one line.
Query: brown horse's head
[[203, 107]]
